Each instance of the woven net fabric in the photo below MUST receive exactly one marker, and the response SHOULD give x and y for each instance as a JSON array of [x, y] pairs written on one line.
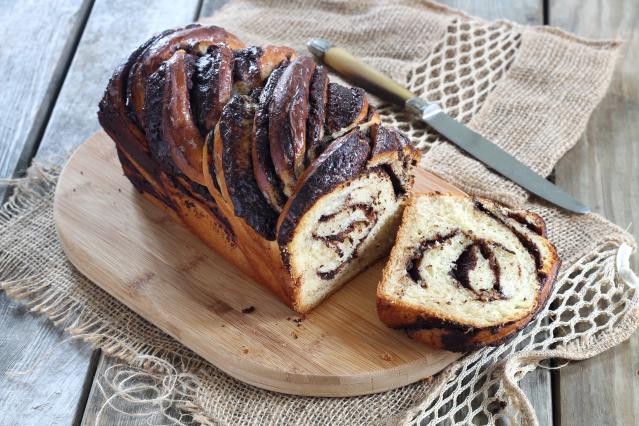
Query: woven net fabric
[[458, 75], [530, 90]]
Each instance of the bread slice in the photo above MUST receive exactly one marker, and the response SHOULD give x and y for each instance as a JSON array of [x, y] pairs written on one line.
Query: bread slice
[[344, 213], [466, 272]]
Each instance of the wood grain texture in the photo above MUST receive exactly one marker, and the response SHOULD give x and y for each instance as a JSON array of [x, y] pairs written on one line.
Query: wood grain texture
[[33, 65], [526, 12], [536, 384], [41, 375], [602, 171], [162, 271], [113, 29], [73, 119]]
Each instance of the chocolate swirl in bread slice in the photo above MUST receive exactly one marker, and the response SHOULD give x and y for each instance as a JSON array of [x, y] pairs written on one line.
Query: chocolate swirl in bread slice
[[342, 216], [466, 272]]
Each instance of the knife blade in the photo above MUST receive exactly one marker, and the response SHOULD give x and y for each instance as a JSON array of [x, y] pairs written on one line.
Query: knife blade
[[480, 148]]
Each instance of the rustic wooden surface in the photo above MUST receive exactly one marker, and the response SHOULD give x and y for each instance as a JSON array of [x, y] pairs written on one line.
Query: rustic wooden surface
[[603, 171], [267, 348], [599, 391], [34, 62]]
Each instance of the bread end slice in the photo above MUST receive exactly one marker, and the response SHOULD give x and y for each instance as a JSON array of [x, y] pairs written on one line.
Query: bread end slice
[[465, 273]]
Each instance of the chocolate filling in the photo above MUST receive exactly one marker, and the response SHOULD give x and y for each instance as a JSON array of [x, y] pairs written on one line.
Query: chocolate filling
[[333, 241], [523, 239], [212, 85], [412, 266], [538, 229], [317, 113], [246, 72], [210, 160], [345, 106], [190, 39], [154, 96], [263, 168], [398, 188], [465, 263], [236, 128]]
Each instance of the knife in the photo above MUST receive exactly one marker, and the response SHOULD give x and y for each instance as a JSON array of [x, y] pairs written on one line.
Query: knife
[[471, 142]]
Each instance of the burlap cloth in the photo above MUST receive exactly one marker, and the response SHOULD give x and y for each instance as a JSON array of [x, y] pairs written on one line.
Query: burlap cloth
[[529, 89]]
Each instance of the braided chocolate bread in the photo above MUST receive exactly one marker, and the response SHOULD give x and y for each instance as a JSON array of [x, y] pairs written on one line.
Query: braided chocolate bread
[[466, 272], [288, 176]]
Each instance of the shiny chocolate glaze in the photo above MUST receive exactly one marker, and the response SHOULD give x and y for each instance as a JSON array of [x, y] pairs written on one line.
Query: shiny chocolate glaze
[[235, 133], [212, 86], [263, 168], [344, 159], [345, 106], [288, 113]]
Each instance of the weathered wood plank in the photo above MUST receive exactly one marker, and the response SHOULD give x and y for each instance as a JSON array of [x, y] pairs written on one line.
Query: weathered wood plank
[[526, 12], [41, 377], [39, 40], [537, 384], [55, 389], [113, 30], [602, 171]]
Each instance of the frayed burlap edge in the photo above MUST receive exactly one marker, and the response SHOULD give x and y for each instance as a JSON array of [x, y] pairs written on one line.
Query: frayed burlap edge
[[182, 376]]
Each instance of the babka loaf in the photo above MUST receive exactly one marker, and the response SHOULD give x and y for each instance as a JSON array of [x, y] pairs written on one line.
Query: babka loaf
[[285, 174], [466, 272]]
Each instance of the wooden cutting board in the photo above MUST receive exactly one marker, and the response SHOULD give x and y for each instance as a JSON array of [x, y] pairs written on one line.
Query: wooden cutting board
[[160, 270]]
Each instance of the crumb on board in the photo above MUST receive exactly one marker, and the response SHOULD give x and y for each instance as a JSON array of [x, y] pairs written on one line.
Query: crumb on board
[[295, 335], [386, 356], [245, 350], [248, 310], [223, 325]]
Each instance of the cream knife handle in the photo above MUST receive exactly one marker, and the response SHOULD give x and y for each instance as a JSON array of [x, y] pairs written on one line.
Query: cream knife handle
[[359, 73]]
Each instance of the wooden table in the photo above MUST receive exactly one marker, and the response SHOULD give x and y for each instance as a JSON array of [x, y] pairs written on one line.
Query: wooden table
[[56, 59]]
